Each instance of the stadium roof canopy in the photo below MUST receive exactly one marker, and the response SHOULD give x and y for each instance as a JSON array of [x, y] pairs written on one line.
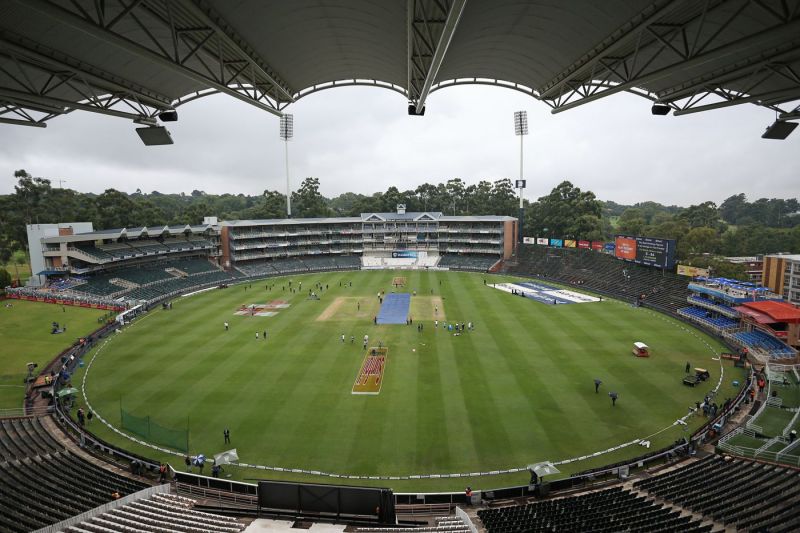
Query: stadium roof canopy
[[776, 311], [138, 58]]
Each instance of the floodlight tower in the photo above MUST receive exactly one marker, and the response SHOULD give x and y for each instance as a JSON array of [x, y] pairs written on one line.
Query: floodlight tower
[[287, 132], [520, 130]]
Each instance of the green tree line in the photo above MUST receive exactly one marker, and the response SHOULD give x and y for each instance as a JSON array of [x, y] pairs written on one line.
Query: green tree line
[[736, 227]]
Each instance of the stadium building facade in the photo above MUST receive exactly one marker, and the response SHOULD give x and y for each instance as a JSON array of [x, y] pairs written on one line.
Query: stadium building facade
[[782, 276], [401, 239], [147, 263]]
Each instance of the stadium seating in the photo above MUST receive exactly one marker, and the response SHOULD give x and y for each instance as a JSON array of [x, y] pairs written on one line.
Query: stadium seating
[[42, 483], [603, 273], [347, 262], [151, 281], [148, 247], [93, 251], [607, 510], [315, 263], [474, 262], [709, 304], [702, 315], [160, 512], [739, 492], [759, 340], [319, 263]]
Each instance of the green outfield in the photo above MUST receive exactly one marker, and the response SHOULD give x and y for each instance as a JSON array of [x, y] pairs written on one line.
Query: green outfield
[[516, 390], [25, 337]]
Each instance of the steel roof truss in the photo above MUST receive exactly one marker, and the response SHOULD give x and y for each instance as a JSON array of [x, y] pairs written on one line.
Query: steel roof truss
[[431, 26], [181, 35], [687, 43], [91, 96]]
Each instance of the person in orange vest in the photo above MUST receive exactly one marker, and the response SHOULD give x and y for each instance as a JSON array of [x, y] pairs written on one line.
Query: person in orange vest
[[162, 473], [468, 494]]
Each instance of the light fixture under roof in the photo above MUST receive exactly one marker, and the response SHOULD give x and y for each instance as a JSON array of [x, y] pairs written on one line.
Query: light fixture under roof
[[779, 130], [154, 135]]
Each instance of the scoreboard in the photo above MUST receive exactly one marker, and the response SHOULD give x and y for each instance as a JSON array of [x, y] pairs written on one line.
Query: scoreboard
[[646, 251]]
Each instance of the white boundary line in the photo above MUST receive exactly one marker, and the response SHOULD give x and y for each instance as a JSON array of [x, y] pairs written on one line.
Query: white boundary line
[[665, 318]]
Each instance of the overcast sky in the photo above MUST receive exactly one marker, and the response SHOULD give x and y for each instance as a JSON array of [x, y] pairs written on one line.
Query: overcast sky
[[361, 139]]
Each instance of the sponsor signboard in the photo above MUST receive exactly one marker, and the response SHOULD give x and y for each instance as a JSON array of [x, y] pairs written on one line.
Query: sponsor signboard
[[597, 245], [558, 243], [405, 254], [544, 241], [528, 240], [584, 244], [646, 250], [569, 243], [625, 248], [686, 270]]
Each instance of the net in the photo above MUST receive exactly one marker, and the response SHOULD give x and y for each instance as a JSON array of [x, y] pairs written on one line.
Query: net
[[152, 431]]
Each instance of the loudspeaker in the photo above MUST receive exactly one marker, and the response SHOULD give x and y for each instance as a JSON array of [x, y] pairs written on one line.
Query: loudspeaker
[[660, 109], [412, 110]]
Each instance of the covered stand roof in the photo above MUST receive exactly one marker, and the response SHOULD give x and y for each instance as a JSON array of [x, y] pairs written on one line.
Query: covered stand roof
[[770, 312], [136, 59]]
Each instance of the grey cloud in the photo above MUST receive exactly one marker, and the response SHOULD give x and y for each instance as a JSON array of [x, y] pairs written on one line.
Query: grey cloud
[[360, 139]]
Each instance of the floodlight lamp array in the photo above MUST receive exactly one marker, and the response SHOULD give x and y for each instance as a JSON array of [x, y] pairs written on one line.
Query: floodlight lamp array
[[287, 126], [520, 122]]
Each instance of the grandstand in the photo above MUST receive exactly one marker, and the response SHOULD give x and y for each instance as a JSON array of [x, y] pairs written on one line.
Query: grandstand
[[383, 240], [73, 261], [604, 511], [33, 463], [604, 274], [745, 494], [710, 494]]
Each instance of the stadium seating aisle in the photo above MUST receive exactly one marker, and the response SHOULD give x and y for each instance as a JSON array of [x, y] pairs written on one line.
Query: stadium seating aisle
[[160, 512], [33, 464]]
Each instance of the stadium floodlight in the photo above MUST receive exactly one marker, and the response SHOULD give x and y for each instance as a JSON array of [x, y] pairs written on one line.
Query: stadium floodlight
[[169, 115], [520, 130], [779, 130], [287, 132]]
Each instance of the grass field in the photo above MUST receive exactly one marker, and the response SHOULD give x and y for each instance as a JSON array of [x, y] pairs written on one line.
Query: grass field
[[25, 337], [516, 390]]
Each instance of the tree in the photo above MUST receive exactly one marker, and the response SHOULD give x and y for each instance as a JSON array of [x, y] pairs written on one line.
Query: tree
[[503, 199], [455, 195], [698, 241], [115, 210], [5, 278], [733, 208], [702, 215], [308, 202], [631, 222], [566, 212]]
